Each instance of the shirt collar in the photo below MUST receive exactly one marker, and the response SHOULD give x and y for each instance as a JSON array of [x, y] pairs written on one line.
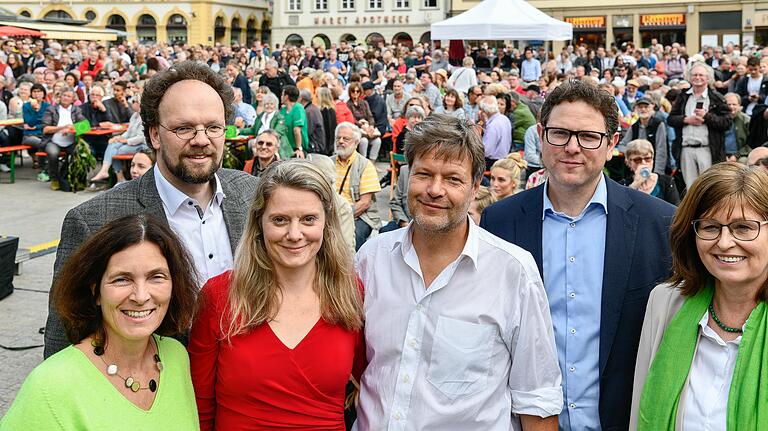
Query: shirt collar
[[471, 245], [349, 160], [704, 95], [600, 197], [173, 198]]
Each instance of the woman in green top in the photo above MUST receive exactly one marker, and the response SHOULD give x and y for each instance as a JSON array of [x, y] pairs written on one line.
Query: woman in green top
[[271, 119], [703, 356], [120, 296]]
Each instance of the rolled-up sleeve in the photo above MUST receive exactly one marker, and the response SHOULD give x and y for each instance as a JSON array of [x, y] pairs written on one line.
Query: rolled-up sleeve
[[535, 382]]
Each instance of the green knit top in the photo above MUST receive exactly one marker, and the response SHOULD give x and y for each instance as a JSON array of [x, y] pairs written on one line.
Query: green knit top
[[68, 392]]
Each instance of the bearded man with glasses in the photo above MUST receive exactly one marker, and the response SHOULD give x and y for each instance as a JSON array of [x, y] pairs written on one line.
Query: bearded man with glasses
[[184, 110], [599, 247], [264, 148]]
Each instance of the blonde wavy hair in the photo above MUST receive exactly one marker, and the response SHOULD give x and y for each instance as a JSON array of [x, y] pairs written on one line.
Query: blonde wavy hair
[[514, 163], [254, 294]]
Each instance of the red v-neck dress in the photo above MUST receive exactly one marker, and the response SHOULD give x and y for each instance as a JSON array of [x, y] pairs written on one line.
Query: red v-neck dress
[[257, 383]]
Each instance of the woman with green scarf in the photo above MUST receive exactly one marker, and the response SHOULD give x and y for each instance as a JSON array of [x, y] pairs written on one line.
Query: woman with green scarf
[[703, 356]]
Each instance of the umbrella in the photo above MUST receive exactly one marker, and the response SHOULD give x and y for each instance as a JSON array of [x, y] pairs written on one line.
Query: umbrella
[[9, 31]]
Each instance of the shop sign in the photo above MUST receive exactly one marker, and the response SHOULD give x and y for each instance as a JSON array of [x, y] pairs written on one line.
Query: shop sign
[[378, 19], [663, 20], [587, 21], [623, 21]]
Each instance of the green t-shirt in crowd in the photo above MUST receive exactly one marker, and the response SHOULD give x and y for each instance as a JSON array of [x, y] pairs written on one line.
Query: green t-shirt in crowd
[[67, 392], [296, 118]]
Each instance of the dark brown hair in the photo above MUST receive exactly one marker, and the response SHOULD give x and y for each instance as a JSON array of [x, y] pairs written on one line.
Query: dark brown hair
[[575, 91], [159, 84], [76, 289], [450, 137], [729, 186]]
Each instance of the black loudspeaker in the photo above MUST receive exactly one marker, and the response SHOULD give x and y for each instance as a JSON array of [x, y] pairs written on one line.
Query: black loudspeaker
[[8, 248]]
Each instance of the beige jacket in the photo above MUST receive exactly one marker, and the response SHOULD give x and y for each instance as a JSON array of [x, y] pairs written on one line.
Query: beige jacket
[[663, 303]]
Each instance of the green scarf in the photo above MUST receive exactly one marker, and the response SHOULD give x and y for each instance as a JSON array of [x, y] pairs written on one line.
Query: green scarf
[[748, 395]]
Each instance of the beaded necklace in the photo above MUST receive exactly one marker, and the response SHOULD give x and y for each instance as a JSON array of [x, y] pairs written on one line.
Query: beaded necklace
[[130, 383]]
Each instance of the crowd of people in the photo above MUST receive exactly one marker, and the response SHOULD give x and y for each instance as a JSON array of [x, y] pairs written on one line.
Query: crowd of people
[[524, 278]]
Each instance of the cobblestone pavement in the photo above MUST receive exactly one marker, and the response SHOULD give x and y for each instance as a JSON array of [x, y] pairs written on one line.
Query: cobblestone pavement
[[34, 213]]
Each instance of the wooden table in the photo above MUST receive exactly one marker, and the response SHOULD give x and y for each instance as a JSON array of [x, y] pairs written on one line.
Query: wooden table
[[105, 131], [240, 139]]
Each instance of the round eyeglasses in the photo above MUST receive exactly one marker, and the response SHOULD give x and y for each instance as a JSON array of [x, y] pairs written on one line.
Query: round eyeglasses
[[587, 139], [742, 230], [186, 132]]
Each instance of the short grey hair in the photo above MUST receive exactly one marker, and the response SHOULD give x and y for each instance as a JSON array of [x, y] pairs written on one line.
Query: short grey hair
[[706, 67], [489, 105], [639, 146], [305, 95], [415, 111], [271, 63], [272, 133], [269, 98], [356, 133]]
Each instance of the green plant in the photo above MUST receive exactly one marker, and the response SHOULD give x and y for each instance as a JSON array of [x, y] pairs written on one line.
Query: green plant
[[230, 161], [80, 163]]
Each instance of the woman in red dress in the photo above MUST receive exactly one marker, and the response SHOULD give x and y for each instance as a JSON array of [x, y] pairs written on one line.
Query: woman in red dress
[[278, 337]]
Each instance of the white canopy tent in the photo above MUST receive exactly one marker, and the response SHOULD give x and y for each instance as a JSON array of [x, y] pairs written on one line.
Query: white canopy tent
[[502, 20]]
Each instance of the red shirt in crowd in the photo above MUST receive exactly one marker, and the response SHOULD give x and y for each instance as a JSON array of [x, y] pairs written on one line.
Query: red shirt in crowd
[[257, 383]]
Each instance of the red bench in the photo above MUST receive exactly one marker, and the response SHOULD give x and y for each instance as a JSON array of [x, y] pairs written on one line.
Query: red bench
[[13, 150]]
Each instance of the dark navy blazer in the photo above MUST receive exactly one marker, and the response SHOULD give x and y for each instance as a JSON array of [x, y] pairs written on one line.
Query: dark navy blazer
[[637, 257]]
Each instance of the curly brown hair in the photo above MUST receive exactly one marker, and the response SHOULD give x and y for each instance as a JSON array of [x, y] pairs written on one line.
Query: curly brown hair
[[159, 84], [76, 290]]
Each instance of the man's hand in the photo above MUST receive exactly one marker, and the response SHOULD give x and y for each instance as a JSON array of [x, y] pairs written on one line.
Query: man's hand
[[693, 120], [299, 153]]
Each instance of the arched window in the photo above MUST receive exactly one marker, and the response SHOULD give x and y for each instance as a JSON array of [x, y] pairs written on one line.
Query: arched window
[[60, 15], [177, 29], [146, 29], [294, 39], [374, 39], [235, 32], [250, 32], [116, 22], [218, 30], [403, 38], [321, 40]]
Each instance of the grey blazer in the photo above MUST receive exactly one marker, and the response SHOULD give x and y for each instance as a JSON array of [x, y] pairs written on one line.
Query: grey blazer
[[138, 196]]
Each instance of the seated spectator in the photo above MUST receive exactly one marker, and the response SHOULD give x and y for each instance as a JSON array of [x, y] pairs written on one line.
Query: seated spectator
[[396, 101], [639, 158], [142, 161], [483, 199], [96, 113], [128, 142], [118, 108], [399, 124], [343, 114], [264, 148], [532, 152], [33, 112], [58, 134], [453, 104], [121, 297], [377, 105], [413, 116], [398, 203], [524, 119], [358, 181], [506, 174], [270, 119], [471, 107], [245, 115], [505, 109], [315, 126], [370, 141]]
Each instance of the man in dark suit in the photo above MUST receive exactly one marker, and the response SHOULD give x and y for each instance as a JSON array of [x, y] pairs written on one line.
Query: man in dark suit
[[600, 249], [206, 206]]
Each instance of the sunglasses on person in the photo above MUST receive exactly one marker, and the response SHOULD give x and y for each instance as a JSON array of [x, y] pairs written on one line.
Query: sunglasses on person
[[354, 91], [641, 159]]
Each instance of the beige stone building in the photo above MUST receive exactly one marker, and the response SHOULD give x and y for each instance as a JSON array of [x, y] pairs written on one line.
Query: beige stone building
[[693, 23], [195, 21]]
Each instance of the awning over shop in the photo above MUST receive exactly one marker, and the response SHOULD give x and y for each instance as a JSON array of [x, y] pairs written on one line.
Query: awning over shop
[[10, 31], [64, 31]]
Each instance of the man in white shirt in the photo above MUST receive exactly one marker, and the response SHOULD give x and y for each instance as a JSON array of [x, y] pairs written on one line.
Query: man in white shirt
[[58, 134], [458, 332], [206, 206]]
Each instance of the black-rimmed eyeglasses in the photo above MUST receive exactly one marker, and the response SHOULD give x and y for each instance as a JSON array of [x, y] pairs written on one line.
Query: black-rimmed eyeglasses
[[587, 139], [742, 230], [186, 132]]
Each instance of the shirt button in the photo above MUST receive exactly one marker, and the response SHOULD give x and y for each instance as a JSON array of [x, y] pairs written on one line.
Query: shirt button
[[413, 343], [210, 256], [406, 378], [203, 221], [397, 416], [190, 203], [572, 258], [571, 368], [573, 330], [419, 307], [573, 224], [572, 294], [571, 406]]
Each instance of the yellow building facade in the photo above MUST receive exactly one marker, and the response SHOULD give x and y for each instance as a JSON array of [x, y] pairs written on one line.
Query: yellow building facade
[[196, 22], [692, 23]]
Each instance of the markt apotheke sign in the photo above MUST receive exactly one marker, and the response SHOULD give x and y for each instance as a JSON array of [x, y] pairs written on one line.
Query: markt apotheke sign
[[376, 19]]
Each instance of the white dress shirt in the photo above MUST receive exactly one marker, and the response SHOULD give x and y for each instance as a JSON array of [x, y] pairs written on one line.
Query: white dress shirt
[[468, 352], [204, 235], [709, 381]]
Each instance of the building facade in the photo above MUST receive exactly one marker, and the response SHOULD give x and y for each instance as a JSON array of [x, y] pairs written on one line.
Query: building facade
[[693, 23], [196, 22], [373, 22]]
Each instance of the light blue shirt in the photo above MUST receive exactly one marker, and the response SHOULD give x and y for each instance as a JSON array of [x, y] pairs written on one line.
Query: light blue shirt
[[573, 250], [530, 70], [246, 112], [497, 138], [532, 147]]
